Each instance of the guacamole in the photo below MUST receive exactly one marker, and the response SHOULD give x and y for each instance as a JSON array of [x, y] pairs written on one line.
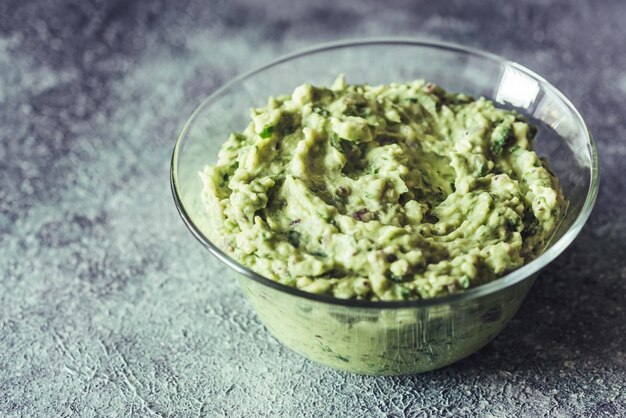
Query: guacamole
[[391, 192]]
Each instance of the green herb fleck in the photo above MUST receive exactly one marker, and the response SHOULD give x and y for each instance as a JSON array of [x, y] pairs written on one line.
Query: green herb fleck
[[335, 142], [342, 358], [405, 292], [266, 132], [287, 125], [499, 137], [395, 278], [512, 224], [294, 238], [464, 281]]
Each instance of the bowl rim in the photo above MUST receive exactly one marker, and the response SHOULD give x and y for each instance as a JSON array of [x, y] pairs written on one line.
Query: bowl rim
[[503, 282]]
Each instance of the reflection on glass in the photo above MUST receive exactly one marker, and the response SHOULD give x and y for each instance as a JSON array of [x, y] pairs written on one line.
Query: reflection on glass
[[516, 88]]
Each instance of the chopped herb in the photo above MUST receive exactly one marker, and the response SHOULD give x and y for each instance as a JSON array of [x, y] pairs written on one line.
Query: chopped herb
[[405, 292], [499, 137], [464, 281], [395, 278], [294, 238], [358, 109], [336, 142], [391, 258], [266, 132], [531, 224], [342, 358], [287, 129], [512, 224]]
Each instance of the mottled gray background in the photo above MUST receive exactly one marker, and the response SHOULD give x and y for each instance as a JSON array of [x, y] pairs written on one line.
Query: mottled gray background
[[108, 306]]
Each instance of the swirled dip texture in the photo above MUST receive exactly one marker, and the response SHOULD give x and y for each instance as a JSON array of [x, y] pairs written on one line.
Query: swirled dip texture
[[391, 192]]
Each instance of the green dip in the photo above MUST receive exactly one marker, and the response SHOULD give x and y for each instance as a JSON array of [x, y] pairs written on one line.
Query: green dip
[[390, 192]]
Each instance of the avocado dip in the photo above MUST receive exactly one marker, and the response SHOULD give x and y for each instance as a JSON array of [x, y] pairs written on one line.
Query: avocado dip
[[393, 192]]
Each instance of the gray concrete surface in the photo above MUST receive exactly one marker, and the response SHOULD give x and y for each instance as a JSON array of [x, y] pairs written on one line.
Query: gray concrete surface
[[108, 306]]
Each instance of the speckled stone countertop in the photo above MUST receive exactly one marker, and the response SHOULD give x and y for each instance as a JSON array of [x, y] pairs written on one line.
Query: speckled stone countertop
[[109, 307]]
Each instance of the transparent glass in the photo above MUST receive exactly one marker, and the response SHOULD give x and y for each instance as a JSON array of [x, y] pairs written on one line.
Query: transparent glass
[[400, 337]]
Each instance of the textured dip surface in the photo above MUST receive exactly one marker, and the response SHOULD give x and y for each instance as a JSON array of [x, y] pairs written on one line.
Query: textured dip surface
[[389, 192]]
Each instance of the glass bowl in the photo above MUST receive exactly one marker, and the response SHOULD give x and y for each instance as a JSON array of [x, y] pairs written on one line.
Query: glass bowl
[[399, 337]]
